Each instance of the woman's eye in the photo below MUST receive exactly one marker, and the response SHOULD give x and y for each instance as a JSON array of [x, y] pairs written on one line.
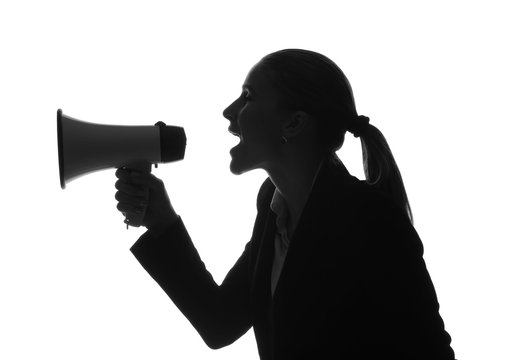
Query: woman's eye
[[246, 95]]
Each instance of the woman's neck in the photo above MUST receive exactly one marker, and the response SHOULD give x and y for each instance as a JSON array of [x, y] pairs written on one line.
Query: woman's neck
[[294, 180]]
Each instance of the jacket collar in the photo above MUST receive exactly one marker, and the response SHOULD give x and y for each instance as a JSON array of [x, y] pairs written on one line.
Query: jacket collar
[[332, 178]]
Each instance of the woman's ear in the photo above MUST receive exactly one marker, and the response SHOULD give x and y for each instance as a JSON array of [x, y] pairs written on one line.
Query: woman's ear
[[296, 124]]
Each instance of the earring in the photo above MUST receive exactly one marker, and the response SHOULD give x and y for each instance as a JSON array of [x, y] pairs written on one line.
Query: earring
[[284, 140]]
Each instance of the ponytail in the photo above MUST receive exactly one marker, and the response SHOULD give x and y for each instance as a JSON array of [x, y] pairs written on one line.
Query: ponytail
[[313, 83], [380, 168]]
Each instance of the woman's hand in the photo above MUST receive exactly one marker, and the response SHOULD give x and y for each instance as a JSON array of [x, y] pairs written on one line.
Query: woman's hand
[[133, 187]]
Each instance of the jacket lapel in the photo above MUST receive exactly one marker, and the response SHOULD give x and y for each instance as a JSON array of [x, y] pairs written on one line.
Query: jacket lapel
[[263, 263], [261, 297]]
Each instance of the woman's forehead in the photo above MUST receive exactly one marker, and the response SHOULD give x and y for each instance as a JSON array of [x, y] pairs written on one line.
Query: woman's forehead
[[257, 79]]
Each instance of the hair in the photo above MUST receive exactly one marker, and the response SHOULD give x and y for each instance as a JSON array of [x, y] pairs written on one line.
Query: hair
[[313, 83]]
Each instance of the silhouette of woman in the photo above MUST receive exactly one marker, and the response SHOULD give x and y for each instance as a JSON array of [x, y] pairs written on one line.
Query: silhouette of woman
[[334, 268]]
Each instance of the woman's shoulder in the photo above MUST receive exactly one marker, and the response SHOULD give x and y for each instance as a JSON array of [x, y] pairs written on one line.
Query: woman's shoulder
[[362, 205], [358, 195], [339, 185]]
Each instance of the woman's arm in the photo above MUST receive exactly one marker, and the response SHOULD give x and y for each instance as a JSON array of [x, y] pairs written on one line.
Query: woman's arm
[[220, 314]]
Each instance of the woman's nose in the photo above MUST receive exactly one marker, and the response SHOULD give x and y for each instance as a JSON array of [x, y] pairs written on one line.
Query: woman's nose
[[229, 112]]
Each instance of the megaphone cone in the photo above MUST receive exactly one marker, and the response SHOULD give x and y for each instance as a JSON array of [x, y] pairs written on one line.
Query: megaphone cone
[[87, 147]]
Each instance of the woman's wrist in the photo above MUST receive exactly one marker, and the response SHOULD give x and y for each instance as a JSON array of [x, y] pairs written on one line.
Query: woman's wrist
[[157, 229]]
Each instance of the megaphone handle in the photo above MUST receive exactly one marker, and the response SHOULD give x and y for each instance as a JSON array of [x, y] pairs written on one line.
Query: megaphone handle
[[136, 219]]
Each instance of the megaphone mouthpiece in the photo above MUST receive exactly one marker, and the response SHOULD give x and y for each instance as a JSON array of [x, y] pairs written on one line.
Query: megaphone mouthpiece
[[173, 142]]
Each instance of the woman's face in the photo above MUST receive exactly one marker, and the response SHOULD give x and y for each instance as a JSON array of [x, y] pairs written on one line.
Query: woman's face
[[256, 119]]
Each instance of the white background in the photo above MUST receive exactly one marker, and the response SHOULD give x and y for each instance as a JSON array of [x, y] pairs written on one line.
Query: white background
[[434, 76]]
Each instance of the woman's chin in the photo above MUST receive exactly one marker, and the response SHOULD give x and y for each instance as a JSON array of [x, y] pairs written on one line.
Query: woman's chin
[[237, 166], [234, 170]]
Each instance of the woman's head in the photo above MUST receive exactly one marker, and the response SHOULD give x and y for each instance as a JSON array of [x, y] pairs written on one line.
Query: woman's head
[[304, 97], [294, 103], [310, 82]]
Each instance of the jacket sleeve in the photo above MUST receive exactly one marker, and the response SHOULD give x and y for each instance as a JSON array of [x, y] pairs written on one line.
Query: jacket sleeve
[[220, 314], [402, 319]]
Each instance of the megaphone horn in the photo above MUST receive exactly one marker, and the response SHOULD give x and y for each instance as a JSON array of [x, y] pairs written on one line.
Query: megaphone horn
[[86, 147]]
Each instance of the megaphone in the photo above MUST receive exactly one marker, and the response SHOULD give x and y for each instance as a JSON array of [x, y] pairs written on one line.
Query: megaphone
[[87, 147]]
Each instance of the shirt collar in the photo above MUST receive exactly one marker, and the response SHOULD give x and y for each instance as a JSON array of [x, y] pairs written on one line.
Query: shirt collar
[[280, 208]]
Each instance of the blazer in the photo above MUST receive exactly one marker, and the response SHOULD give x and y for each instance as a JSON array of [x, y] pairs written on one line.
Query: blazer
[[354, 284]]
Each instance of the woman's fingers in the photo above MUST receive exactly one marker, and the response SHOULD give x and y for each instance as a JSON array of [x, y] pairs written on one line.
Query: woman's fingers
[[127, 208], [134, 176], [128, 204], [143, 193], [130, 188], [133, 192], [130, 199]]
